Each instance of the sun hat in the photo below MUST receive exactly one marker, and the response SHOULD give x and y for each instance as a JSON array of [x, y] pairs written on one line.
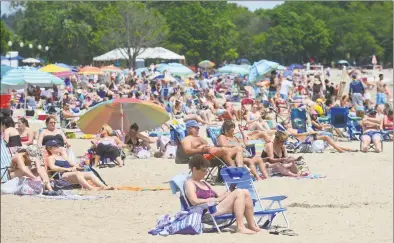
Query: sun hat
[[319, 100], [192, 123], [52, 143], [33, 151]]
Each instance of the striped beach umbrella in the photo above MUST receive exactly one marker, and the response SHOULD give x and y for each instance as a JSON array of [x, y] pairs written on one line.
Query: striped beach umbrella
[[119, 114], [233, 69], [206, 64], [176, 69], [19, 77]]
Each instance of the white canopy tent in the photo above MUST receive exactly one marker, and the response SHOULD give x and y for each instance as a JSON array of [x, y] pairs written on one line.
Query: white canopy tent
[[148, 53]]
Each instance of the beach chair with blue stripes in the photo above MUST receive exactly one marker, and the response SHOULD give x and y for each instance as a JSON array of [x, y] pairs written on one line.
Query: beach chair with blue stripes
[[5, 162]]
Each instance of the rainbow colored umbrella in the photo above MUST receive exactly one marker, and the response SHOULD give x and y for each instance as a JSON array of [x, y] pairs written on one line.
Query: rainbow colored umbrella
[[121, 113], [206, 64], [52, 68]]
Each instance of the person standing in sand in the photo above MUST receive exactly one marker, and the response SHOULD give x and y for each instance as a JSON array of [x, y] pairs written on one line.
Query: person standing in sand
[[380, 91], [238, 201]]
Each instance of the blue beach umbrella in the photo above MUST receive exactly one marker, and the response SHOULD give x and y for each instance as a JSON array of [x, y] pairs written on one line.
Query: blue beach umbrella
[[176, 69], [5, 69], [260, 68], [233, 69], [18, 78]]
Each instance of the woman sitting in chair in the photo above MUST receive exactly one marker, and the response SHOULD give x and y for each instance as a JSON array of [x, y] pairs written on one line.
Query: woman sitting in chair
[[11, 134], [227, 139], [371, 132], [108, 146], [238, 201], [71, 172], [27, 162], [254, 120]]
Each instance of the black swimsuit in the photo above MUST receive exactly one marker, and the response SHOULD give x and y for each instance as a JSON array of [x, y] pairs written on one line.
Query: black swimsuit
[[14, 141], [265, 155], [56, 137]]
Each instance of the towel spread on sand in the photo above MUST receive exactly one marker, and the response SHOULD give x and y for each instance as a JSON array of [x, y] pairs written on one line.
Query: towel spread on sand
[[68, 195], [141, 189]]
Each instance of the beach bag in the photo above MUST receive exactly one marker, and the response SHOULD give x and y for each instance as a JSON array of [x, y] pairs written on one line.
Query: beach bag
[[143, 154], [306, 148], [62, 185], [28, 186], [318, 146], [10, 187], [189, 225]]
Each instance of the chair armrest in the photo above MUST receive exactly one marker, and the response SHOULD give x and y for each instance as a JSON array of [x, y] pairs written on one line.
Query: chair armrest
[[274, 198]]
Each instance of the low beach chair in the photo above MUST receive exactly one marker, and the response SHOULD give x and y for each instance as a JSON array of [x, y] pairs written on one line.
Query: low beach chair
[[178, 132], [298, 119], [5, 158], [240, 178], [217, 224], [371, 146]]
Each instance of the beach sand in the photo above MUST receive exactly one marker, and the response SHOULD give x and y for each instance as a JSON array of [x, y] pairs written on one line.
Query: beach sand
[[352, 204]]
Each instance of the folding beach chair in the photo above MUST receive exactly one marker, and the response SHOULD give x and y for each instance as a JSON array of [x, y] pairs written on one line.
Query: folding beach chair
[[239, 178], [5, 159], [178, 132], [371, 146], [339, 119], [109, 161], [177, 185], [298, 119]]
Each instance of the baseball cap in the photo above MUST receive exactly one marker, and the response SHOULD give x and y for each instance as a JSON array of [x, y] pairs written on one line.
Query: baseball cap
[[52, 143], [192, 123]]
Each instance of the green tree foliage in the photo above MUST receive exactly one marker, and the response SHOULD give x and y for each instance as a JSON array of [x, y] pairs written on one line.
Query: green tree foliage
[[292, 32], [5, 36]]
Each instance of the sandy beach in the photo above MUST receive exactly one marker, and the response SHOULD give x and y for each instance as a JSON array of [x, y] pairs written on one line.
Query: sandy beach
[[352, 204]]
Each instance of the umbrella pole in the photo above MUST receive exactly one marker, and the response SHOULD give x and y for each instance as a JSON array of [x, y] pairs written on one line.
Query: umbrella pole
[[122, 117], [25, 98]]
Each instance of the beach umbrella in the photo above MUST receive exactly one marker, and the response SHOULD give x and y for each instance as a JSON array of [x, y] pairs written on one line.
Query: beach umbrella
[[206, 64], [175, 69], [262, 67], [121, 113], [233, 69], [5, 69], [91, 70], [31, 60], [243, 61], [18, 78], [64, 74], [343, 62], [111, 69], [296, 66], [53, 68]]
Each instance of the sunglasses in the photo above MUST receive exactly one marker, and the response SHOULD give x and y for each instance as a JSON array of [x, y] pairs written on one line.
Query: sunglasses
[[52, 122]]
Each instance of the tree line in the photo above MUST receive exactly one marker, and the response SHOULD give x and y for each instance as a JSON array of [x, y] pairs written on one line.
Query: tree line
[[293, 32]]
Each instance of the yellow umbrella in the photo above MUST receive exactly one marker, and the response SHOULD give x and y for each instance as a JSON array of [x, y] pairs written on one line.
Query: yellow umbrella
[[52, 68]]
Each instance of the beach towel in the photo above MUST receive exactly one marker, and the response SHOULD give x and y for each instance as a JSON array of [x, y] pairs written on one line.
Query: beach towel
[[141, 189], [69, 195]]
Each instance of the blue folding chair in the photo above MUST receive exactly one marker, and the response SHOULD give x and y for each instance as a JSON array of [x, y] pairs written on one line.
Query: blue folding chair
[[240, 178], [298, 119], [218, 223], [339, 118]]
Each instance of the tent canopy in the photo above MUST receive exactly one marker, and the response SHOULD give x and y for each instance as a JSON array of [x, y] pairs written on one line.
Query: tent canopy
[[148, 53]]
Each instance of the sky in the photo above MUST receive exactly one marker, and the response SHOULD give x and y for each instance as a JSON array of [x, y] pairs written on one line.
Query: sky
[[251, 5]]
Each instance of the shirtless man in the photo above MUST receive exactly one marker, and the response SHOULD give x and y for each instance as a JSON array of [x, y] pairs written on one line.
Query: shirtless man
[[193, 144]]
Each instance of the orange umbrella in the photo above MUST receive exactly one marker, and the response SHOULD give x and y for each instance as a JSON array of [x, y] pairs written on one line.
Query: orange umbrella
[[91, 70], [111, 68]]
